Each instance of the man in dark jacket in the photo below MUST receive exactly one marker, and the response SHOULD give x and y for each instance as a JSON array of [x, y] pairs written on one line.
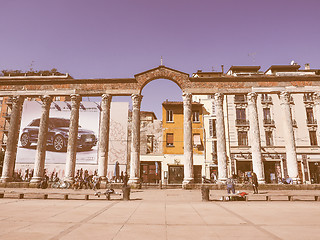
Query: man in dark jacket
[[255, 183]]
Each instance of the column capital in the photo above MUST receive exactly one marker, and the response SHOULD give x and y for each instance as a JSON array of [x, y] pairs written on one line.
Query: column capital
[[252, 97], [106, 97], [46, 100], [316, 98], [186, 96], [16, 99], [285, 97], [218, 97], [136, 100], [75, 99]]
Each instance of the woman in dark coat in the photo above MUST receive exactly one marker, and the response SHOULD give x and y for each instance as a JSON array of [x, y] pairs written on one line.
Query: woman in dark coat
[[255, 183]]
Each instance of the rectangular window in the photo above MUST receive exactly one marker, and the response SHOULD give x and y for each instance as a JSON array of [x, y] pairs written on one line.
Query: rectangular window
[[169, 116], [310, 118], [170, 139], [269, 138], [196, 140], [196, 116], [212, 127], [242, 138], [213, 108], [241, 114], [313, 138], [266, 114], [150, 143]]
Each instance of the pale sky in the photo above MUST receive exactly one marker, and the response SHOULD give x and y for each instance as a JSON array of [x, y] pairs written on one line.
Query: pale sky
[[120, 38]]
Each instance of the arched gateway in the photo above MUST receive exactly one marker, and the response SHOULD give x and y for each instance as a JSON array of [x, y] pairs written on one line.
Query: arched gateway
[[218, 85]]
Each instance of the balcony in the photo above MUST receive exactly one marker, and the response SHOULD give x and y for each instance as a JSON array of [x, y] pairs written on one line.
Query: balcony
[[266, 99], [308, 98], [268, 122], [240, 99], [242, 123], [312, 122]]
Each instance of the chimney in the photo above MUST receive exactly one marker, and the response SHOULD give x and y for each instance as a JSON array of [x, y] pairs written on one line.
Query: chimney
[[199, 71], [307, 66], [222, 69]]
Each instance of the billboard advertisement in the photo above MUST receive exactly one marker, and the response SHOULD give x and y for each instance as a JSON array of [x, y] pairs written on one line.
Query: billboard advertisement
[[88, 134]]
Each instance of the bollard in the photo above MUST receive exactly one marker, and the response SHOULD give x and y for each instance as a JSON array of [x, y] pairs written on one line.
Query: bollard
[[86, 197], [268, 198], [316, 198], [20, 196], [126, 193], [1, 195], [290, 198], [65, 197], [205, 193], [160, 184], [45, 196]]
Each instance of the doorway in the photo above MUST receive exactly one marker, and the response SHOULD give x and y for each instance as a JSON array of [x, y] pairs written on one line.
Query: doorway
[[176, 174]]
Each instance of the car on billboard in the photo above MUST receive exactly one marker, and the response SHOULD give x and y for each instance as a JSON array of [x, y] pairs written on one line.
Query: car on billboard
[[58, 134]]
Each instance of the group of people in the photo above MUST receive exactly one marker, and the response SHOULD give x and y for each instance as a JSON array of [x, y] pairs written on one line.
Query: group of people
[[254, 181], [82, 179]]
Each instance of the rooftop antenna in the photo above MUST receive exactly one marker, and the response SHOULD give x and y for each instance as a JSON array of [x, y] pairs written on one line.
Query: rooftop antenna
[[161, 61]]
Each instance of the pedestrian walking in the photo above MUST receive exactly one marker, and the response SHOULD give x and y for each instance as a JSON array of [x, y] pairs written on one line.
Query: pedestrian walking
[[255, 183]]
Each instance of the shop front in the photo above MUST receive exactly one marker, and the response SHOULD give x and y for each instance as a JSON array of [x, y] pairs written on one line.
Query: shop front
[[244, 169], [314, 168], [272, 171], [150, 172], [176, 174]]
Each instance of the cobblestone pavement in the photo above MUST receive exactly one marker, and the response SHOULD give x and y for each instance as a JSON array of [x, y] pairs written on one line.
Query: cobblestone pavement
[[158, 214]]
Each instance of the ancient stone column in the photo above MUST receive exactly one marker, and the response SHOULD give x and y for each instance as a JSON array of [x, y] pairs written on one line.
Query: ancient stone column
[[221, 138], [257, 164], [12, 142], [291, 155], [187, 138], [316, 97], [104, 136], [42, 140], [135, 141], [72, 140]]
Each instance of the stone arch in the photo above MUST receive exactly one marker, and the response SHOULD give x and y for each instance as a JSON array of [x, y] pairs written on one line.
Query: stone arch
[[162, 72]]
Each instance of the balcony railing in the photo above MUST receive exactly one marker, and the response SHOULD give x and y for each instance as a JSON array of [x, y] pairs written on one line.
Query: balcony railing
[[308, 98], [268, 122], [240, 99], [266, 99], [311, 122], [242, 122]]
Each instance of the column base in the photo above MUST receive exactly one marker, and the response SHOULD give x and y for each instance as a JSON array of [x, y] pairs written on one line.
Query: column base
[[296, 180], [222, 180], [261, 181], [134, 183], [35, 179], [6, 179], [187, 183], [69, 179]]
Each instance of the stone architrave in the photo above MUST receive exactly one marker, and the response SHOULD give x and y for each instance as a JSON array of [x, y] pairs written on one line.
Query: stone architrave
[[135, 142], [13, 137], [291, 154], [187, 138], [257, 164], [104, 136], [316, 97], [72, 140], [221, 138], [42, 140]]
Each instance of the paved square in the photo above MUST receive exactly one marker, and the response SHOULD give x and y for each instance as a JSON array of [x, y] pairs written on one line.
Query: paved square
[[157, 214]]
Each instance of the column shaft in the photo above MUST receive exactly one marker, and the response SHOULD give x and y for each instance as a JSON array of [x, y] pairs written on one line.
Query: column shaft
[[42, 140], [104, 136], [291, 155], [12, 142], [135, 141], [257, 164], [72, 140], [187, 138], [316, 98], [221, 138]]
